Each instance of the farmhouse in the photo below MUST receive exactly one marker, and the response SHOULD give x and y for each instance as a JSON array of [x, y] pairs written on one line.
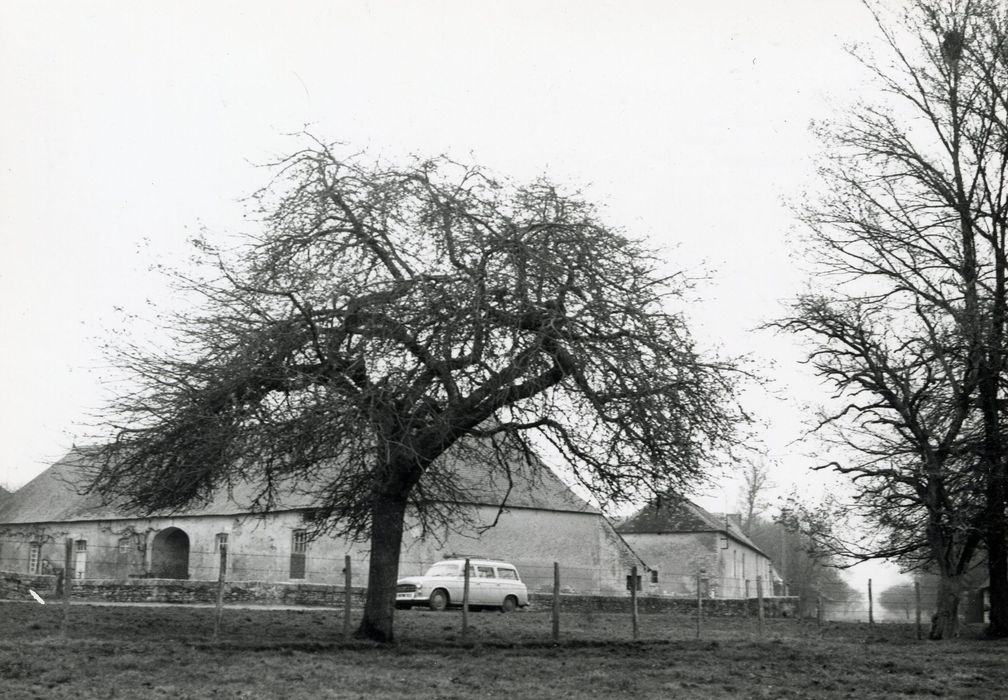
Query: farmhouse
[[530, 518], [681, 542]]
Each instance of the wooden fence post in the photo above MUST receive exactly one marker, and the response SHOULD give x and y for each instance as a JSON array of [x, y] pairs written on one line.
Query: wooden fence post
[[633, 598], [759, 602], [221, 575], [871, 611], [920, 632], [747, 613], [699, 602], [818, 611], [347, 592], [556, 601], [67, 583], [465, 601]]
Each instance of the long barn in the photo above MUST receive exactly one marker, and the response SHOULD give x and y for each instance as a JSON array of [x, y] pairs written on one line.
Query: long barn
[[531, 519]]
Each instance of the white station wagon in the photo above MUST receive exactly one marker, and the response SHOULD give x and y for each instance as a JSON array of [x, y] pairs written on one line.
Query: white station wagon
[[492, 584]]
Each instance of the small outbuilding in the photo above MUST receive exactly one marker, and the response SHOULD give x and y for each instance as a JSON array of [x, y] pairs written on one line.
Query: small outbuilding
[[683, 543]]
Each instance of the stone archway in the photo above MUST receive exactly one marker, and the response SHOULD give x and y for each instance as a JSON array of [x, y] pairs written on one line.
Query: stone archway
[[170, 554]]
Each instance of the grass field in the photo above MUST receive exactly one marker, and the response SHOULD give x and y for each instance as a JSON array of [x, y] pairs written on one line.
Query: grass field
[[167, 652]]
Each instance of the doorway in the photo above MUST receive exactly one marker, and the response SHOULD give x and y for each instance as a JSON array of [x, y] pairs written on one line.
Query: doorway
[[170, 554]]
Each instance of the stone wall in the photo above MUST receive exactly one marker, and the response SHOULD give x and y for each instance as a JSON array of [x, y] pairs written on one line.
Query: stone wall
[[14, 586], [715, 607]]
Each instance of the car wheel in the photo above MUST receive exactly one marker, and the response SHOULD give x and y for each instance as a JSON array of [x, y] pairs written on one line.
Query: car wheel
[[509, 604], [438, 600]]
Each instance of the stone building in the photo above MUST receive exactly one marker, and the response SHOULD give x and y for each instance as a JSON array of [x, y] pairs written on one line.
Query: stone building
[[682, 542], [541, 522]]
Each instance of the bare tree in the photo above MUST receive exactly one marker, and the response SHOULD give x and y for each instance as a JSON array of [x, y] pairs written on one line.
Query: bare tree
[[755, 484], [387, 315], [793, 543], [900, 430], [912, 237]]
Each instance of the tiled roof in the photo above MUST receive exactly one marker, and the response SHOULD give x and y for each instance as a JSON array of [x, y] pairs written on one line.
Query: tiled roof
[[54, 495], [673, 513]]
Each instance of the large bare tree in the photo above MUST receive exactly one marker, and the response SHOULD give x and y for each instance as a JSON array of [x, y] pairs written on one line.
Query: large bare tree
[[900, 428], [912, 237], [387, 314]]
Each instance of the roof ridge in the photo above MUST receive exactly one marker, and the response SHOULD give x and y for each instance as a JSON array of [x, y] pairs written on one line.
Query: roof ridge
[[54, 494]]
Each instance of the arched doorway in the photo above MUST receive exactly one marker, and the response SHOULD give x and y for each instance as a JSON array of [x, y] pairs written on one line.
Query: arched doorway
[[170, 554]]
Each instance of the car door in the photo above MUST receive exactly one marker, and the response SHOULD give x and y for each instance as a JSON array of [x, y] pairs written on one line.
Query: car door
[[510, 584], [484, 589]]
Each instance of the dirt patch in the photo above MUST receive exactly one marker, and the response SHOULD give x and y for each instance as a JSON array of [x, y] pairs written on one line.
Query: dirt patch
[[162, 652]]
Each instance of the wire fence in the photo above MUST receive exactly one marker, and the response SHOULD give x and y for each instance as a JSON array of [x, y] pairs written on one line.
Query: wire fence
[[567, 594]]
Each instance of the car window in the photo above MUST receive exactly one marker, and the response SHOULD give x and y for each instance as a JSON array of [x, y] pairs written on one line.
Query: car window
[[507, 573], [485, 572], [443, 570]]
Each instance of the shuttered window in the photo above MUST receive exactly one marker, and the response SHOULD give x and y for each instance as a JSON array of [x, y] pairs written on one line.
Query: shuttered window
[[80, 560]]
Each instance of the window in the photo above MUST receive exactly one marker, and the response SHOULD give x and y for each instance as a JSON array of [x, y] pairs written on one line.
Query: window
[[485, 572], [299, 551], [629, 580], [125, 545], [222, 541], [34, 557], [509, 574], [654, 576], [443, 570], [80, 563]]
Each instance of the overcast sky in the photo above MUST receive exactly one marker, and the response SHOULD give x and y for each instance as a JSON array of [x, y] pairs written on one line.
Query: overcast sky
[[129, 126]]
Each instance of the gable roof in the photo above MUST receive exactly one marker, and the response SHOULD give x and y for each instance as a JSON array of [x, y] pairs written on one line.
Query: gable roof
[[672, 513], [54, 495]]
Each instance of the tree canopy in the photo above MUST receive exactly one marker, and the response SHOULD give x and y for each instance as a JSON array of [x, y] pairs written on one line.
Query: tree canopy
[[388, 313]]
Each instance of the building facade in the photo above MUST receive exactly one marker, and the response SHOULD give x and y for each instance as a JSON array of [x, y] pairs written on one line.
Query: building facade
[[532, 521], [686, 546]]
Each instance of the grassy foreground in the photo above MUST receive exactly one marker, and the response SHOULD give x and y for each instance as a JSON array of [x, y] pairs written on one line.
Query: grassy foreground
[[167, 652]]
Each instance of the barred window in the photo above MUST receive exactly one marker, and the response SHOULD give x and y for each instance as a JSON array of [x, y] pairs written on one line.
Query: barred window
[[222, 540], [300, 541]]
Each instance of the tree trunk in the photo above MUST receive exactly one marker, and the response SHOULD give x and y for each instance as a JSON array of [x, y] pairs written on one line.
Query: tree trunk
[[387, 515], [945, 622], [997, 568]]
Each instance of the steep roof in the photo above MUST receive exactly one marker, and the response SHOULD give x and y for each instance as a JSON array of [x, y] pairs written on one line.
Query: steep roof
[[674, 514], [54, 495]]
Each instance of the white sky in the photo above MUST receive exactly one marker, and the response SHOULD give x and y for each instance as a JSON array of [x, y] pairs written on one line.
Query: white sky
[[128, 126]]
